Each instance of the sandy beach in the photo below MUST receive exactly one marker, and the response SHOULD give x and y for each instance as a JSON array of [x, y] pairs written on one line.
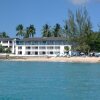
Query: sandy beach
[[57, 59]]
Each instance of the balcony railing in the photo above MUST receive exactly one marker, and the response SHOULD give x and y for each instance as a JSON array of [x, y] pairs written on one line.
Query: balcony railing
[[42, 43]]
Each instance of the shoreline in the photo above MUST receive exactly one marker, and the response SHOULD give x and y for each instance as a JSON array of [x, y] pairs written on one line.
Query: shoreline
[[55, 59]]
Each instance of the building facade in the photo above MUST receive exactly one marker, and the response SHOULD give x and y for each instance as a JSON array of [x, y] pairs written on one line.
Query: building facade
[[8, 43], [51, 46]]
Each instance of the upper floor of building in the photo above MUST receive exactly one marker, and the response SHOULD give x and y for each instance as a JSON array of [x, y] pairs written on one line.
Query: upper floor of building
[[34, 41]]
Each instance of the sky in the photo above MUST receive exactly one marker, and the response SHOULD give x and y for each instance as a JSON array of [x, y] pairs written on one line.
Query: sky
[[40, 12]]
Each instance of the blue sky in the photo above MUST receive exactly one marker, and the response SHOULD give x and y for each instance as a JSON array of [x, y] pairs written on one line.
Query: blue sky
[[39, 12]]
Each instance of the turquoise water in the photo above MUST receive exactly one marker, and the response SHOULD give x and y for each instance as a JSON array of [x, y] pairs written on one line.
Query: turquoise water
[[49, 81]]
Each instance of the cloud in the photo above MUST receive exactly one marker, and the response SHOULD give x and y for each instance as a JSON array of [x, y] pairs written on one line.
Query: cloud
[[79, 2], [83, 2]]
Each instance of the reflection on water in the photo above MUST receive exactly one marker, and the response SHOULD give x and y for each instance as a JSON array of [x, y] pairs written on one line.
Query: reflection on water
[[49, 81]]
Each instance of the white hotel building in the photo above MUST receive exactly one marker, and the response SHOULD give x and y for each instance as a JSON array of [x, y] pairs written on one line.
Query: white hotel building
[[51, 46]]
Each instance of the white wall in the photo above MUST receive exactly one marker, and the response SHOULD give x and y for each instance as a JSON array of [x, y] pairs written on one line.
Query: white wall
[[24, 50]]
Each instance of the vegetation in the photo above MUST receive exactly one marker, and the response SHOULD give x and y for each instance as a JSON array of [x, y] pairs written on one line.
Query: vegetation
[[28, 32], [57, 30], [46, 31], [3, 50], [66, 48], [8, 50], [20, 31], [77, 29], [3, 35]]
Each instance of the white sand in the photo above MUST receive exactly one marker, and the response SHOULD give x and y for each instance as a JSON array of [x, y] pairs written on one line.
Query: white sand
[[59, 59]]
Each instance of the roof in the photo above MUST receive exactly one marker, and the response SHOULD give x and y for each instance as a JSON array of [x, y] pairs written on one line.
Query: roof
[[43, 39], [7, 39], [35, 39]]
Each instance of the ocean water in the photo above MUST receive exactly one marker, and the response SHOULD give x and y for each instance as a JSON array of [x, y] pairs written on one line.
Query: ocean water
[[49, 81]]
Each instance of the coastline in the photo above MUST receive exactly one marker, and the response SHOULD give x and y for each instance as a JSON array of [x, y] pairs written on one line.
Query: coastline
[[54, 59]]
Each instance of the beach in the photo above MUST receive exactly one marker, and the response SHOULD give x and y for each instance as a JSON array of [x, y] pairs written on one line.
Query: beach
[[54, 59]]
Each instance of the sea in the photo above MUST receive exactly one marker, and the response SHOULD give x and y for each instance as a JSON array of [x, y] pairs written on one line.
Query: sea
[[49, 81]]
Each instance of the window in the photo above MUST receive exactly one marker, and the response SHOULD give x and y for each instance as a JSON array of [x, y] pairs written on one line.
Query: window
[[57, 47], [10, 41], [5, 41], [28, 53], [36, 53], [50, 47], [28, 47], [35, 47], [51, 52], [43, 52], [44, 42], [19, 52], [28, 43], [20, 47], [35, 43], [42, 47]]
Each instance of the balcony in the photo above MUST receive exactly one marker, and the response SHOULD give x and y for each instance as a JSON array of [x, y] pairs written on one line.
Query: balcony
[[41, 43]]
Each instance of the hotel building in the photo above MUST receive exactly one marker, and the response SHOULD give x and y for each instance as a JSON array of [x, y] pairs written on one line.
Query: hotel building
[[51, 46]]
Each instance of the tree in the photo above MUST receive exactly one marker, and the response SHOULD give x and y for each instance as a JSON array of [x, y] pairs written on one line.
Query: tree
[[4, 35], [95, 41], [70, 25], [66, 48], [8, 50], [1, 49], [57, 30], [66, 29], [46, 32], [79, 29], [30, 31], [82, 20], [20, 31], [83, 48]]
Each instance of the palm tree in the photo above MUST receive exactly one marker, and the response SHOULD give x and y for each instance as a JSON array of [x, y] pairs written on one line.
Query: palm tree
[[27, 33], [57, 30], [30, 31], [4, 35], [20, 30], [46, 31]]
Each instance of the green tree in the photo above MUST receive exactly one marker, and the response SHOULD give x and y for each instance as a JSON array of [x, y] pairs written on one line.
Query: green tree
[[1, 49], [79, 29], [95, 41], [83, 48], [20, 31], [57, 30], [66, 48], [30, 32], [8, 50], [70, 28], [82, 20], [4, 35], [46, 32]]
